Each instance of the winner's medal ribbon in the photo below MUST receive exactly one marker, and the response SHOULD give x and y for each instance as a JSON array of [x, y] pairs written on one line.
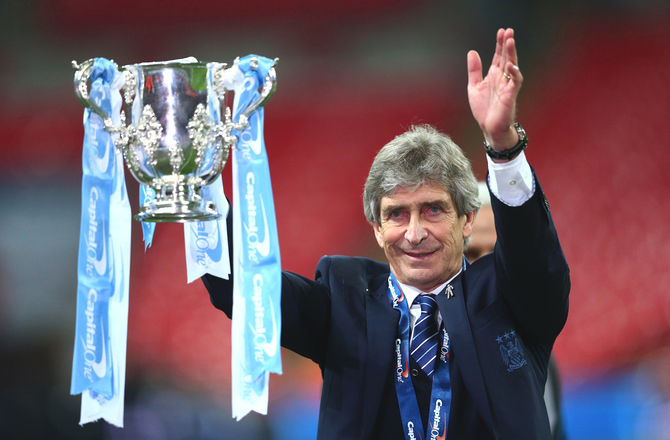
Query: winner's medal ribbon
[[440, 398], [257, 284], [98, 368]]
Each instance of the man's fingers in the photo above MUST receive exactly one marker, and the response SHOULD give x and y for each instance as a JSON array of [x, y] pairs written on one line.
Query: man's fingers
[[512, 71], [474, 68], [510, 48], [497, 56]]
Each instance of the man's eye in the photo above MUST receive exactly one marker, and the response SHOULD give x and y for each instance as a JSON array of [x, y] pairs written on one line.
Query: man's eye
[[434, 209], [396, 214]]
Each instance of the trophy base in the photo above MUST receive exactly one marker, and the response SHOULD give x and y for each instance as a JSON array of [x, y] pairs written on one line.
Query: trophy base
[[177, 211]]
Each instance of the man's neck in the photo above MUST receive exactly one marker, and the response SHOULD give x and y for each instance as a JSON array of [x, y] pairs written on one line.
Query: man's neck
[[412, 292]]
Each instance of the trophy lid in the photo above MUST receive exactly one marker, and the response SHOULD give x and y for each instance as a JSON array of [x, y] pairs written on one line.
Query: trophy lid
[[181, 62]]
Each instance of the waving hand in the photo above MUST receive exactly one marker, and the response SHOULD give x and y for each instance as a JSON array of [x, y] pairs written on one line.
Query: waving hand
[[493, 98]]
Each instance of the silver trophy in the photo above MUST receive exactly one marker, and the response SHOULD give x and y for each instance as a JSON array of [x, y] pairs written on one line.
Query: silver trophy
[[170, 137]]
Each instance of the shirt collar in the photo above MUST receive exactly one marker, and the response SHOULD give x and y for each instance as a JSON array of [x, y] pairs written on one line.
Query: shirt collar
[[412, 292]]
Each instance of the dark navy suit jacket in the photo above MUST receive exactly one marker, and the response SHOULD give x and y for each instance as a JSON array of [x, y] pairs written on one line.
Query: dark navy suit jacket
[[506, 311]]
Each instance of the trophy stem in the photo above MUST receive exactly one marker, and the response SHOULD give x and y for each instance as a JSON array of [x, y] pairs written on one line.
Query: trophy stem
[[178, 204]]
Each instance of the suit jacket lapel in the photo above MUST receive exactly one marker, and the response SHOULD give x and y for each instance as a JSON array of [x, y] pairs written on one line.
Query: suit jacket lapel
[[455, 318], [382, 324]]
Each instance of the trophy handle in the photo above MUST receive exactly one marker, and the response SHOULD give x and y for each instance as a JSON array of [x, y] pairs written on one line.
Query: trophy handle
[[81, 76], [266, 93]]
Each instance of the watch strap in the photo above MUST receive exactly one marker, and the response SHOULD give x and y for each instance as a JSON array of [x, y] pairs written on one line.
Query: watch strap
[[510, 153]]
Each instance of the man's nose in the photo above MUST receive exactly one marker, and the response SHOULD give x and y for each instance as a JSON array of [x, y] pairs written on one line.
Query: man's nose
[[415, 232]]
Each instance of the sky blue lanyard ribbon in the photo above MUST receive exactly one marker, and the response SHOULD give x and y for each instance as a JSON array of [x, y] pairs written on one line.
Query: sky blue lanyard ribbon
[[440, 399], [101, 267], [257, 265]]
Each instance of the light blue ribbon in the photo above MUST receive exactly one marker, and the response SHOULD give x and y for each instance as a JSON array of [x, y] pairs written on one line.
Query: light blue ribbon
[[93, 357], [257, 264], [207, 241], [147, 194]]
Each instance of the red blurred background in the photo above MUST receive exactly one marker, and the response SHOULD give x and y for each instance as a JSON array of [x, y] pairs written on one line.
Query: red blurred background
[[351, 76]]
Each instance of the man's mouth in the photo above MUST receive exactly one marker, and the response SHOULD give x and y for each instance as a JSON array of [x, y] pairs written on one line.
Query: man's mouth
[[419, 255]]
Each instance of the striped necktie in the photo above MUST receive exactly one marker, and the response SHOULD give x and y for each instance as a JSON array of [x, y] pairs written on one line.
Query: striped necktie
[[426, 338]]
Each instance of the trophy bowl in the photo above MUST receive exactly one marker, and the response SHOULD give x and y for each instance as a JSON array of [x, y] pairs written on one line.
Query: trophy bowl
[[171, 134]]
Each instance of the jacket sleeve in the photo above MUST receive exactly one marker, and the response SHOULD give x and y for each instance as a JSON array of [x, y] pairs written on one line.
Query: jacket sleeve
[[531, 271], [305, 306]]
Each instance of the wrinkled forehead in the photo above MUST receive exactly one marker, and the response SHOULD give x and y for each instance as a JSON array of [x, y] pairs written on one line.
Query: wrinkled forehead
[[419, 194], [413, 186]]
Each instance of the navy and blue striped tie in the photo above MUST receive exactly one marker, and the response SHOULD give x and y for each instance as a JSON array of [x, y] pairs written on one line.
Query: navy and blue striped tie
[[426, 337]]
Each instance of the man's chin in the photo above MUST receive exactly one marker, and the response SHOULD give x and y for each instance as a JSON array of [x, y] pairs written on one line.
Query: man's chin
[[420, 278]]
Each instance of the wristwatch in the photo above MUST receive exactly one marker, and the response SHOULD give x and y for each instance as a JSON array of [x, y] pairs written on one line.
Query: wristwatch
[[510, 153]]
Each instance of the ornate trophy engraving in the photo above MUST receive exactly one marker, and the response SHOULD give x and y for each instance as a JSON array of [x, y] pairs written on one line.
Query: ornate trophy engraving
[[171, 135]]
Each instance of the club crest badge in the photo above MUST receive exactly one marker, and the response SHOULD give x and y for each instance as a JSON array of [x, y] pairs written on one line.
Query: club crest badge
[[511, 351]]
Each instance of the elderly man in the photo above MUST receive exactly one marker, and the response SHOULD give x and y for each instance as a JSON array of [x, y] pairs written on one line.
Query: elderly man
[[429, 346]]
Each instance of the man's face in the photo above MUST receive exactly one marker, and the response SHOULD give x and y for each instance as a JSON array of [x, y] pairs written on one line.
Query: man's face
[[422, 235]]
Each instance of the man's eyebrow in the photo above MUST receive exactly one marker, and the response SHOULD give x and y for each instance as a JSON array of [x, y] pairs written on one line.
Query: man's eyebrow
[[392, 208], [437, 202]]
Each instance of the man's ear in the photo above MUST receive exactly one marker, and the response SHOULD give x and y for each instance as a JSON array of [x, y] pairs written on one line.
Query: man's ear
[[378, 234], [469, 223]]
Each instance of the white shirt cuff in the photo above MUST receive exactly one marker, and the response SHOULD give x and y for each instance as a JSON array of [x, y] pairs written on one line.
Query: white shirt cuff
[[511, 182]]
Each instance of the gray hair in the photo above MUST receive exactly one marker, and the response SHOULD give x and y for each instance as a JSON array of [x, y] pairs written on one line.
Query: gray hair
[[420, 155]]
